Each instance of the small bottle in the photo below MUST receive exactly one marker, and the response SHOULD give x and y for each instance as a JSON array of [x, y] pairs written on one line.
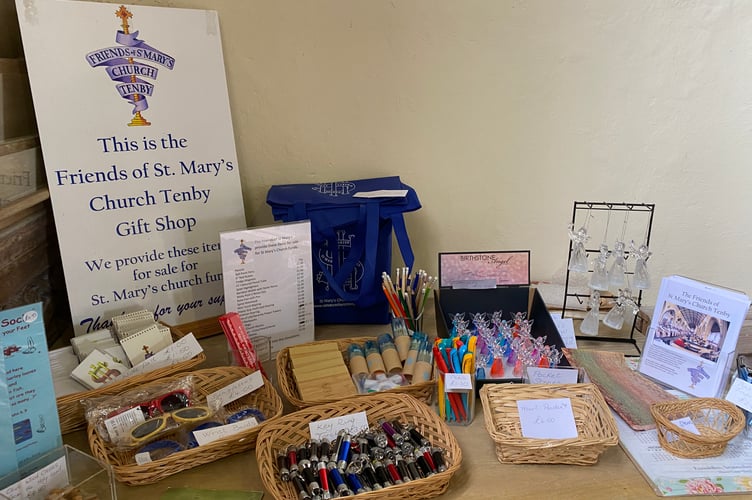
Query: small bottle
[[401, 337], [423, 365], [412, 355], [357, 357], [373, 358], [389, 354]]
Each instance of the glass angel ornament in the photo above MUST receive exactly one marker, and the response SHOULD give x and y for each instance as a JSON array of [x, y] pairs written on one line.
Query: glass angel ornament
[[599, 279], [624, 304], [641, 279], [617, 274], [589, 325], [578, 261]]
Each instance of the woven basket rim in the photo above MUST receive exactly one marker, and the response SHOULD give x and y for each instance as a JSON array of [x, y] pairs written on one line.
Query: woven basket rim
[[288, 388], [659, 411], [269, 442], [127, 382], [610, 437], [135, 474], [71, 411]]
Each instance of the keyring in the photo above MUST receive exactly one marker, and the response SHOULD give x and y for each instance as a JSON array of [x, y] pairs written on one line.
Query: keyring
[[244, 414], [161, 449]]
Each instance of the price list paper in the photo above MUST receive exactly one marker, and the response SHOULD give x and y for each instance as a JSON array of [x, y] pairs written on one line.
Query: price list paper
[[268, 281]]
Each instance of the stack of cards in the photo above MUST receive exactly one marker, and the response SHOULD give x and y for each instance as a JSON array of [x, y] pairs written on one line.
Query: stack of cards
[[98, 369], [83, 345], [140, 336]]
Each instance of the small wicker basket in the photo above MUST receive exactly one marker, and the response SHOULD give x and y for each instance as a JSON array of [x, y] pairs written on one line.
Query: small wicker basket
[[422, 391], [206, 381], [293, 429], [717, 421], [71, 412], [596, 427]]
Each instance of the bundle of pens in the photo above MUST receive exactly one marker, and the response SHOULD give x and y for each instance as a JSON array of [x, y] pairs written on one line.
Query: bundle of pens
[[456, 355], [407, 296], [505, 348]]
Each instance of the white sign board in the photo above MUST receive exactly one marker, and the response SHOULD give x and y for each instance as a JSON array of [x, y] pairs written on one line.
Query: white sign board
[[138, 145]]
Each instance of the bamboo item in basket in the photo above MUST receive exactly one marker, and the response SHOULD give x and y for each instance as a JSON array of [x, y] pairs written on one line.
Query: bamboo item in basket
[[716, 421], [320, 371], [423, 390]]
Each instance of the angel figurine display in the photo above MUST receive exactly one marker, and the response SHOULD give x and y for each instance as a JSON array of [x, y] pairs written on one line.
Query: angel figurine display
[[641, 279], [624, 303], [617, 273], [578, 261], [589, 325], [599, 280]]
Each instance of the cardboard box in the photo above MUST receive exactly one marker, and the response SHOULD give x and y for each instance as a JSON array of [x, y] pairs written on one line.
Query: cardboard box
[[449, 302]]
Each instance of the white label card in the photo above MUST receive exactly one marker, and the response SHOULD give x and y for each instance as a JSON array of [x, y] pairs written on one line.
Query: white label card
[[206, 436], [686, 424], [547, 418], [181, 350], [120, 425], [41, 482], [566, 331], [352, 423], [237, 389], [458, 382], [740, 394], [552, 375], [382, 193]]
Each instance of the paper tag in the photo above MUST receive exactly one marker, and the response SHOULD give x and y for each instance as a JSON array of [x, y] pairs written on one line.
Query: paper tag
[[38, 484], [119, 426], [352, 423], [566, 331], [382, 193], [456, 382], [686, 424], [237, 389], [740, 394], [142, 458], [547, 418], [538, 375], [182, 349], [206, 436]]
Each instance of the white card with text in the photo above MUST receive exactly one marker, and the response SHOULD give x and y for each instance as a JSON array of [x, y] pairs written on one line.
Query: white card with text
[[547, 418]]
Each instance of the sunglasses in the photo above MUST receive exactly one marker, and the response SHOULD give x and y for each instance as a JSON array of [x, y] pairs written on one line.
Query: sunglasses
[[165, 403], [147, 430]]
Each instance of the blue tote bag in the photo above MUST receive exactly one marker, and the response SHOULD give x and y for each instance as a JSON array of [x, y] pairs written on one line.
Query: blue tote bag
[[351, 238]]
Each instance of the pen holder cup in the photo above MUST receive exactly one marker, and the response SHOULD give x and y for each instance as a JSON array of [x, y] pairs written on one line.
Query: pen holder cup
[[455, 398]]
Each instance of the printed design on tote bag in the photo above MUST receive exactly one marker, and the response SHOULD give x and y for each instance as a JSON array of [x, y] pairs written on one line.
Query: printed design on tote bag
[[344, 243], [335, 188], [123, 64]]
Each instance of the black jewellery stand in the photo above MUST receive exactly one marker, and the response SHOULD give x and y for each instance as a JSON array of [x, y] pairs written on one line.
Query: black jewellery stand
[[585, 209]]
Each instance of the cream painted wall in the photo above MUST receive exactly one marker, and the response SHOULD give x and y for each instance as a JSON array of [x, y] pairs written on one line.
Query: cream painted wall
[[501, 113]]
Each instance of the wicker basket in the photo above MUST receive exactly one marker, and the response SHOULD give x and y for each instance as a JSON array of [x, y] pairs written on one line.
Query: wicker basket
[[293, 429], [716, 420], [71, 411], [596, 427], [422, 391], [206, 381]]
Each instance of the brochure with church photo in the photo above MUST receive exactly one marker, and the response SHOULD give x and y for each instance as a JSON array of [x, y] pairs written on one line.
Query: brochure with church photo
[[693, 335]]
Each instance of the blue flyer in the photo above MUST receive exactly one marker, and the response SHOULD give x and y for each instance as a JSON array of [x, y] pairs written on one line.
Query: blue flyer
[[8, 463], [28, 378]]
